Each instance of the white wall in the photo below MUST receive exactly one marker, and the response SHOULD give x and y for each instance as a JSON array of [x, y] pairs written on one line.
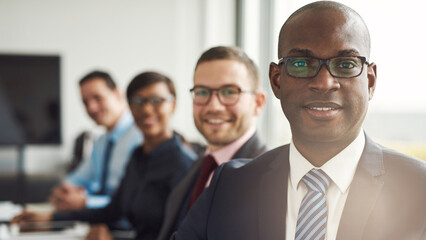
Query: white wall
[[121, 37]]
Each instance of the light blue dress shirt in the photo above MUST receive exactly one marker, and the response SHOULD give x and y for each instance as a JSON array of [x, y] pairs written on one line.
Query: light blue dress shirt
[[126, 137]]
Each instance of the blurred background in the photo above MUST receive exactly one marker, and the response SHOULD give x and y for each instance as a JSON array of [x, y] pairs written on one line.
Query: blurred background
[[128, 37]]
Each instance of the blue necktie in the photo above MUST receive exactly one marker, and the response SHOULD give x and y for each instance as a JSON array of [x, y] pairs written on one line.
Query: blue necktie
[[105, 167], [312, 219]]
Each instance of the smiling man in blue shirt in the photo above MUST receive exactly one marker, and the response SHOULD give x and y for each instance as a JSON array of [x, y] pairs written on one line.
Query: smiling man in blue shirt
[[97, 178]]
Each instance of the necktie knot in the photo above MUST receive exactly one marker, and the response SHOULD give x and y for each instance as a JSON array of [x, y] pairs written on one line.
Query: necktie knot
[[317, 180]]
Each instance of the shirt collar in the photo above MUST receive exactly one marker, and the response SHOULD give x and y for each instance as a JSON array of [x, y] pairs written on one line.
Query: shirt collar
[[226, 153], [165, 146], [341, 168], [124, 123]]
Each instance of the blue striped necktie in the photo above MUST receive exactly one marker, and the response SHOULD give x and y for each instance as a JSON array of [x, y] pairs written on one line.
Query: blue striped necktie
[[312, 219]]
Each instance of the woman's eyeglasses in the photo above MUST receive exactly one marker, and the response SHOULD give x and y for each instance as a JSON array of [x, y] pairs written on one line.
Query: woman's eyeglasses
[[153, 101]]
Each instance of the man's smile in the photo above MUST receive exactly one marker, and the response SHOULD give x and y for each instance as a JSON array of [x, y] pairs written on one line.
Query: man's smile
[[322, 111]]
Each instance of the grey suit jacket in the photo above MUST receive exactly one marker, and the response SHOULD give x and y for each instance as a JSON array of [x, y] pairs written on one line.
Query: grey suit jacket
[[177, 203], [387, 200]]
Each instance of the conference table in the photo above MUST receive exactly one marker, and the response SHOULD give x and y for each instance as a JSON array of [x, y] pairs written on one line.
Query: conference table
[[31, 192], [57, 230], [78, 232], [60, 230]]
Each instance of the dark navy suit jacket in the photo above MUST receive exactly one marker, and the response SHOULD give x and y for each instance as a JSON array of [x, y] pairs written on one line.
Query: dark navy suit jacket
[[387, 199], [178, 202]]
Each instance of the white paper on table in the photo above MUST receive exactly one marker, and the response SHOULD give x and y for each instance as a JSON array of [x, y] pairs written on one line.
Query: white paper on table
[[8, 210]]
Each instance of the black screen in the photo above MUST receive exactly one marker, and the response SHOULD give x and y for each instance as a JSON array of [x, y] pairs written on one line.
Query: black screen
[[29, 99]]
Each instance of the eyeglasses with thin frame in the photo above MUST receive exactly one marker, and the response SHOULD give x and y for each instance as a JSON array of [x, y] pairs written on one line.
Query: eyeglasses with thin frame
[[338, 67], [153, 100], [227, 95]]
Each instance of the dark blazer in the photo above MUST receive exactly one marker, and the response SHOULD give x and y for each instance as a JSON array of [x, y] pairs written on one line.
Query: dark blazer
[[143, 191], [387, 199], [177, 204]]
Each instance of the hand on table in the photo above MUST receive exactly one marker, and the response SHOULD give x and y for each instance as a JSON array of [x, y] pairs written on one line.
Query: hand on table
[[99, 232], [27, 216], [67, 197]]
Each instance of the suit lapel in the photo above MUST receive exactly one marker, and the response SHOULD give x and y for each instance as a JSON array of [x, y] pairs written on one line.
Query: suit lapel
[[272, 196], [184, 186], [181, 193], [176, 204], [364, 191], [251, 149]]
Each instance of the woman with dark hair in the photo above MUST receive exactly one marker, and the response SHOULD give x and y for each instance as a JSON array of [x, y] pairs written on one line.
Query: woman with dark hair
[[154, 168]]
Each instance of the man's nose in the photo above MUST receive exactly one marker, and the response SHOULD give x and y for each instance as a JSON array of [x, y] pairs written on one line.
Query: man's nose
[[214, 102], [91, 106], [324, 81]]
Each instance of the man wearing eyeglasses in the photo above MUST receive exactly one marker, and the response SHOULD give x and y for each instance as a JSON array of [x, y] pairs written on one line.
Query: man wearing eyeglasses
[[332, 181], [227, 99]]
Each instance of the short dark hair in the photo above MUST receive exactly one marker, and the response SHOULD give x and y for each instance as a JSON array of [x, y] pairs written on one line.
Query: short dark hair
[[146, 79], [99, 74], [232, 53]]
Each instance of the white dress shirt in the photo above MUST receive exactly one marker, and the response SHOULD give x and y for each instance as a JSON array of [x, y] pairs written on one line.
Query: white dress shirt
[[341, 169]]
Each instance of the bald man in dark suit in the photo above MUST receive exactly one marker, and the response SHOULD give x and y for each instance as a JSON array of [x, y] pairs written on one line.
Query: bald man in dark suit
[[332, 181]]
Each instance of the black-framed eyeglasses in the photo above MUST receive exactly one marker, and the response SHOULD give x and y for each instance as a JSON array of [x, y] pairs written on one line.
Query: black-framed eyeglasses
[[338, 67], [227, 95], [153, 101]]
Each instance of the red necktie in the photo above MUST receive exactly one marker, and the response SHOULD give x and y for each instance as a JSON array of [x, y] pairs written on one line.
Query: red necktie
[[207, 167]]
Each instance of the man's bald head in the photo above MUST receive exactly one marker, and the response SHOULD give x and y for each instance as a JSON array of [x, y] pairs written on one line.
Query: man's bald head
[[347, 12]]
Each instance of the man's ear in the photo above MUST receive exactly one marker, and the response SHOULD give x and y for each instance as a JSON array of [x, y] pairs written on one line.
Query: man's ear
[[260, 101], [275, 79], [174, 105], [372, 79], [118, 94]]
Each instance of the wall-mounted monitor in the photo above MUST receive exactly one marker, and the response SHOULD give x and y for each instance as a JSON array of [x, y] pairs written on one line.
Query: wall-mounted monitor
[[30, 109]]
